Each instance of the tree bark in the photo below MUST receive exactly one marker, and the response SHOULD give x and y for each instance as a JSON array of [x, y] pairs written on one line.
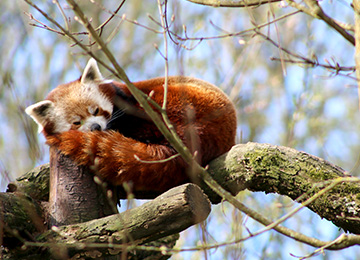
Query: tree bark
[[74, 195]]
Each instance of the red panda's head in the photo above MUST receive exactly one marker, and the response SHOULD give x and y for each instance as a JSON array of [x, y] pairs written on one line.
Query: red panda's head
[[78, 105]]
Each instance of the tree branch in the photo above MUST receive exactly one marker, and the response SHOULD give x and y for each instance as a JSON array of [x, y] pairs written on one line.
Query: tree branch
[[172, 212], [316, 11], [285, 171], [313, 10], [34, 183]]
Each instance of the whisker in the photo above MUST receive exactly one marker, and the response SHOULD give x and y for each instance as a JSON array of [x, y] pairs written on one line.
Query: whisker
[[116, 115]]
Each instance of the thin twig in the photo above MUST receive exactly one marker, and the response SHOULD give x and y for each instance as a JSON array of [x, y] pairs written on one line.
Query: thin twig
[[113, 14], [165, 56], [42, 25], [67, 26], [303, 60], [315, 63], [227, 35]]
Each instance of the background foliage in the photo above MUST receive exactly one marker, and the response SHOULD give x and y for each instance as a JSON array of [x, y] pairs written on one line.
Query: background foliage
[[306, 107]]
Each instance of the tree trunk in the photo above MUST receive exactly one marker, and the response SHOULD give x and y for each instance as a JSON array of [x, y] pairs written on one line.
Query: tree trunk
[[74, 195]]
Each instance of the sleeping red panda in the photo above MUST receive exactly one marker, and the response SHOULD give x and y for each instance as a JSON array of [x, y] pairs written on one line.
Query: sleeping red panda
[[99, 124]]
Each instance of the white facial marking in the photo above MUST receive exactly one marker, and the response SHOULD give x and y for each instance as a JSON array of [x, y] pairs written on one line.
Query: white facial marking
[[100, 120]]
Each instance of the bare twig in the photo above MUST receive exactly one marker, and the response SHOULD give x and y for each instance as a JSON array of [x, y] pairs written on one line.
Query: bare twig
[[165, 56], [158, 161], [337, 68], [227, 35], [42, 25], [67, 26], [142, 25], [113, 14], [315, 63]]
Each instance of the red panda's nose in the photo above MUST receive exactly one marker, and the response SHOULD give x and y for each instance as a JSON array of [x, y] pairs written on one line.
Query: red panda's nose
[[95, 127]]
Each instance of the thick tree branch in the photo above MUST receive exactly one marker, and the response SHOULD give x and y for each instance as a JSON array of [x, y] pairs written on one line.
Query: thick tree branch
[[285, 171], [316, 183], [166, 215]]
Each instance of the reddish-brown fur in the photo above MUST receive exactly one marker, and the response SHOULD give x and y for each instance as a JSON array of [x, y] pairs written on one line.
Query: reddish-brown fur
[[202, 115]]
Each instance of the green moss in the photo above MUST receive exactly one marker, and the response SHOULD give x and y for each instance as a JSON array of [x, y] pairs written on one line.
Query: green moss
[[269, 161], [277, 172]]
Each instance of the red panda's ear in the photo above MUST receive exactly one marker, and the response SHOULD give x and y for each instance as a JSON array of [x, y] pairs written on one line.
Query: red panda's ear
[[91, 72], [41, 112]]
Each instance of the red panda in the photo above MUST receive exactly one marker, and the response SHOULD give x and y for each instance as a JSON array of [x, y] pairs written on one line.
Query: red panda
[[99, 124]]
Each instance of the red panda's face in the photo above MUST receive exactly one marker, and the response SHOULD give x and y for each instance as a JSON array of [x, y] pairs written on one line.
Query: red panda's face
[[78, 105], [93, 117]]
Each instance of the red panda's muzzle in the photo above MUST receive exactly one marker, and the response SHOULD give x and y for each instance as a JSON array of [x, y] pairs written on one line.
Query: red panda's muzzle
[[95, 127]]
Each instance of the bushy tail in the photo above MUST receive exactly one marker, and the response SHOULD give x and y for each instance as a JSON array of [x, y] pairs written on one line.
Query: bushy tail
[[118, 159]]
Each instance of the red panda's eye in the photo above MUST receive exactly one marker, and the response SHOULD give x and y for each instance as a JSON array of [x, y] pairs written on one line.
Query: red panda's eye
[[96, 111], [77, 123]]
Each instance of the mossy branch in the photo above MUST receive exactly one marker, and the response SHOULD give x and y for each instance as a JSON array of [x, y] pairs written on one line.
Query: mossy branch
[[298, 175]]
